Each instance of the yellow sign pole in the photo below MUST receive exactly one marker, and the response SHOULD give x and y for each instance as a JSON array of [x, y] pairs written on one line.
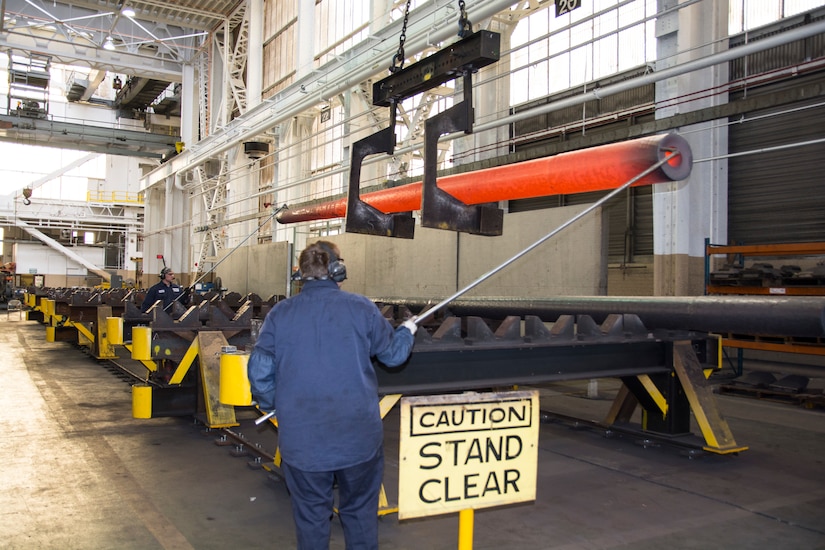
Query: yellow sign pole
[[465, 529]]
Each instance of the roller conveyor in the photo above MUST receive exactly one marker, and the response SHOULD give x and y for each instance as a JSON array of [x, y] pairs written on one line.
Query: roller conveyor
[[662, 368], [795, 316]]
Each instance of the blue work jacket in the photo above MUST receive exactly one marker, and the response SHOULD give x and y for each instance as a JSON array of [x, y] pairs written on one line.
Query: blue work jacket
[[168, 294], [312, 364]]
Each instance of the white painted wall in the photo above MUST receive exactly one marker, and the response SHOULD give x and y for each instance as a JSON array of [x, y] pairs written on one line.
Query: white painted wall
[[34, 258]]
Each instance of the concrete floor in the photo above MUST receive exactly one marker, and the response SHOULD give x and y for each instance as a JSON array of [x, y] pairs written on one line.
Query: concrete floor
[[78, 472]]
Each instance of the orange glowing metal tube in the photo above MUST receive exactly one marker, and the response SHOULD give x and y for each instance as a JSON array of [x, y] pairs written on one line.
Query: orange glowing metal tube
[[595, 169]]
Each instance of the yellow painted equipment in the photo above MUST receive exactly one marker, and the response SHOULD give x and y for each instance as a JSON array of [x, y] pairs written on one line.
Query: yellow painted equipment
[[141, 401], [142, 343], [209, 345], [47, 307], [234, 382], [114, 330], [50, 334]]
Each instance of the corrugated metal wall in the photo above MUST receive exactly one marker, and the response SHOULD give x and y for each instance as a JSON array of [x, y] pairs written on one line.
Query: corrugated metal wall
[[778, 196]]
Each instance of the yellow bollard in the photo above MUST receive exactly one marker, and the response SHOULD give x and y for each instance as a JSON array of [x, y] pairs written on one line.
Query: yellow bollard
[[142, 343], [234, 383], [50, 334], [141, 401], [114, 330]]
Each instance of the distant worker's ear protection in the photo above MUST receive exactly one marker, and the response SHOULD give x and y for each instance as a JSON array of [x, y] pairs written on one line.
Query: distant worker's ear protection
[[164, 271]]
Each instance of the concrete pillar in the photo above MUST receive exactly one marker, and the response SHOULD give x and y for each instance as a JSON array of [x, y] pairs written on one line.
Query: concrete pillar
[[189, 106], [255, 53], [687, 212], [168, 220], [306, 39], [380, 14], [220, 94], [490, 99]]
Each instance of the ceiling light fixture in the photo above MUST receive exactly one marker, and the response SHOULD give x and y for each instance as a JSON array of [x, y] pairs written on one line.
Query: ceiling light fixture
[[108, 44], [127, 12]]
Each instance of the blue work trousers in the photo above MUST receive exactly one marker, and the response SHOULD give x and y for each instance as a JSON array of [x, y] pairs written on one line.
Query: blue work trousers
[[312, 499]]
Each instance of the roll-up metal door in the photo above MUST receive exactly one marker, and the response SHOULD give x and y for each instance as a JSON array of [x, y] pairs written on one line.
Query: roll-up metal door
[[778, 196]]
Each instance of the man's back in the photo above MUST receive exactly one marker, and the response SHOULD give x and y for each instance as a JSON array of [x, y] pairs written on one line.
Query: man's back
[[324, 339]]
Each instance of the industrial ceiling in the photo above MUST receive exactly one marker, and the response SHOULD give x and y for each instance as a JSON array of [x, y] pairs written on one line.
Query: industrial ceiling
[[149, 40], [111, 33]]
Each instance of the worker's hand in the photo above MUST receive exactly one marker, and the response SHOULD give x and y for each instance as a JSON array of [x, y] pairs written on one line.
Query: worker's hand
[[410, 325]]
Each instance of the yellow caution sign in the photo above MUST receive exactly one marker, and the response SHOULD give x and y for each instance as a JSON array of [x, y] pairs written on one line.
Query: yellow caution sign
[[467, 451]]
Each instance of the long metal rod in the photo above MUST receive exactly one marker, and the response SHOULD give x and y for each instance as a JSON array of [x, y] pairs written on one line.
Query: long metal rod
[[601, 168], [426, 314]]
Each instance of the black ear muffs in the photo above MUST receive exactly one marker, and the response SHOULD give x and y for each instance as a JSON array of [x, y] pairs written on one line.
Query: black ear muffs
[[164, 271], [336, 268]]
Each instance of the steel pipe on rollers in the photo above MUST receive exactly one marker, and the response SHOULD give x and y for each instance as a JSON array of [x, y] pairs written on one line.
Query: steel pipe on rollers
[[594, 169], [791, 316]]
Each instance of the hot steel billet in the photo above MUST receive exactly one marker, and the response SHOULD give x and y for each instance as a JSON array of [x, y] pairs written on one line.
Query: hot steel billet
[[594, 169], [789, 316]]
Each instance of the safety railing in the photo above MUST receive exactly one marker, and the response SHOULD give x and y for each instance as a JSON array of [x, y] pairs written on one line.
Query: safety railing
[[122, 197]]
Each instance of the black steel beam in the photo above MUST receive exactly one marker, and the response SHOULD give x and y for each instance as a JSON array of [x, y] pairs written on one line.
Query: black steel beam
[[466, 353], [468, 55], [476, 368]]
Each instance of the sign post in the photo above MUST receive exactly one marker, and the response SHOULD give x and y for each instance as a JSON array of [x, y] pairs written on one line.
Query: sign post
[[467, 451]]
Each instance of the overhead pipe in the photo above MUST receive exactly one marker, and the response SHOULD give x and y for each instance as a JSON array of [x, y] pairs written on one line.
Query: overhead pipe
[[594, 169]]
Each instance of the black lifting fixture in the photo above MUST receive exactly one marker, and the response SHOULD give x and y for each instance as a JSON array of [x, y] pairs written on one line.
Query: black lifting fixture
[[439, 209]]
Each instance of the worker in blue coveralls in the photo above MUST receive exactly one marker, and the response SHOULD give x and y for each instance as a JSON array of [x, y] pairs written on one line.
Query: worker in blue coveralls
[[312, 365], [166, 290]]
